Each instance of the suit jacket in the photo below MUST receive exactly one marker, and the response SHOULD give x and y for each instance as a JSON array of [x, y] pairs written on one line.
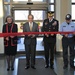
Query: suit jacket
[[26, 28]]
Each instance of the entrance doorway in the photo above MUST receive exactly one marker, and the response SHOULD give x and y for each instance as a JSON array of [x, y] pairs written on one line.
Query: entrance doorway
[[21, 16]]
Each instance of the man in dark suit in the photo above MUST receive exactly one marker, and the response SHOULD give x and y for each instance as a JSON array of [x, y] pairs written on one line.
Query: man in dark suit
[[30, 41], [49, 25]]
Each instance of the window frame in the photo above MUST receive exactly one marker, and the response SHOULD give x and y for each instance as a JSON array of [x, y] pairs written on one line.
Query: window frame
[[72, 3]]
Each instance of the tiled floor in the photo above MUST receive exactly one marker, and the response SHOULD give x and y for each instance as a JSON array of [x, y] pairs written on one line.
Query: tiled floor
[[58, 66], [58, 62], [3, 67]]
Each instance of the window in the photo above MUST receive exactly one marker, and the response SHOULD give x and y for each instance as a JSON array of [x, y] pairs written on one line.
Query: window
[[51, 1], [37, 0], [51, 7], [73, 10], [20, 0], [7, 10], [20, 26], [39, 13], [6, 0], [21, 14], [73, 1]]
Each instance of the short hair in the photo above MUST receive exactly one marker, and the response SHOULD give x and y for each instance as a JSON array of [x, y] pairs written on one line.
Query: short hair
[[31, 15], [9, 17]]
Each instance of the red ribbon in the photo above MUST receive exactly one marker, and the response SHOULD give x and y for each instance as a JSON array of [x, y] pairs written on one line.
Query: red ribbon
[[27, 33]]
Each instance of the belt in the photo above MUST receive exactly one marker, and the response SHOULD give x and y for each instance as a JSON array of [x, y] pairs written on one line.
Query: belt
[[68, 37]]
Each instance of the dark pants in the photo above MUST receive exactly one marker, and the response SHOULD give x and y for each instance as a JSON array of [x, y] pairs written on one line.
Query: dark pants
[[30, 54], [49, 52], [68, 42]]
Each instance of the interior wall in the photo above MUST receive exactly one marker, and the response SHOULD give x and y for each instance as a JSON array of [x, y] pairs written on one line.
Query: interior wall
[[1, 25], [63, 7]]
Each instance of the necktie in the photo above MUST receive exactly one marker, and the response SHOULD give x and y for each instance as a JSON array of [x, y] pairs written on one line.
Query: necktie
[[30, 26]]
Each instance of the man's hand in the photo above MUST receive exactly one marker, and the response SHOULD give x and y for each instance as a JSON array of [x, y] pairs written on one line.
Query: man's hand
[[46, 35], [52, 34], [29, 35], [55, 23], [66, 35], [7, 38], [33, 35]]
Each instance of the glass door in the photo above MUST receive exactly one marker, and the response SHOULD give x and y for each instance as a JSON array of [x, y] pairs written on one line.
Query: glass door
[[21, 16], [20, 10]]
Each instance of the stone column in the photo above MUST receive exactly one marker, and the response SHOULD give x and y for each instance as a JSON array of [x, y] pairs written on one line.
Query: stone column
[[63, 7], [1, 25]]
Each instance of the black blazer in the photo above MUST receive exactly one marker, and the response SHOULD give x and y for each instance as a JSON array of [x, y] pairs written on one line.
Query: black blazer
[[12, 41], [49, 27]]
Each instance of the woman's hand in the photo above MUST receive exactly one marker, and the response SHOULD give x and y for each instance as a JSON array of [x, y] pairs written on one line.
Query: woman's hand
[[12, 36], [7, 38]]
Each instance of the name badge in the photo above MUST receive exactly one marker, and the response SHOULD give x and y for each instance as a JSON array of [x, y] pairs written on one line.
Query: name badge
[[64, 26], [72, 26]]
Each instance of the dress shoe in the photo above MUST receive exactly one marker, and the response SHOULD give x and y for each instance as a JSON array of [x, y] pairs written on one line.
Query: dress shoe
[[73, 67], [8, 69], [12, 68], [33, 67], [27, 67], [46, 66], [65, 66], [51, 67]]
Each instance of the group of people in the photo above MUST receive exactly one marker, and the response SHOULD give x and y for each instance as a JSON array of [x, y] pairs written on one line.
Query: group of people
[[49, 25]]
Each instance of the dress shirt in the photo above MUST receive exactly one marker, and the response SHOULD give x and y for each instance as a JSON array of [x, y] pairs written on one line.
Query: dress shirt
[[65, 27], [30, 25]]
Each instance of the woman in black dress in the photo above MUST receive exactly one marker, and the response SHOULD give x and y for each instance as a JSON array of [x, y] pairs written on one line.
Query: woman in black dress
[[10, 43]]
